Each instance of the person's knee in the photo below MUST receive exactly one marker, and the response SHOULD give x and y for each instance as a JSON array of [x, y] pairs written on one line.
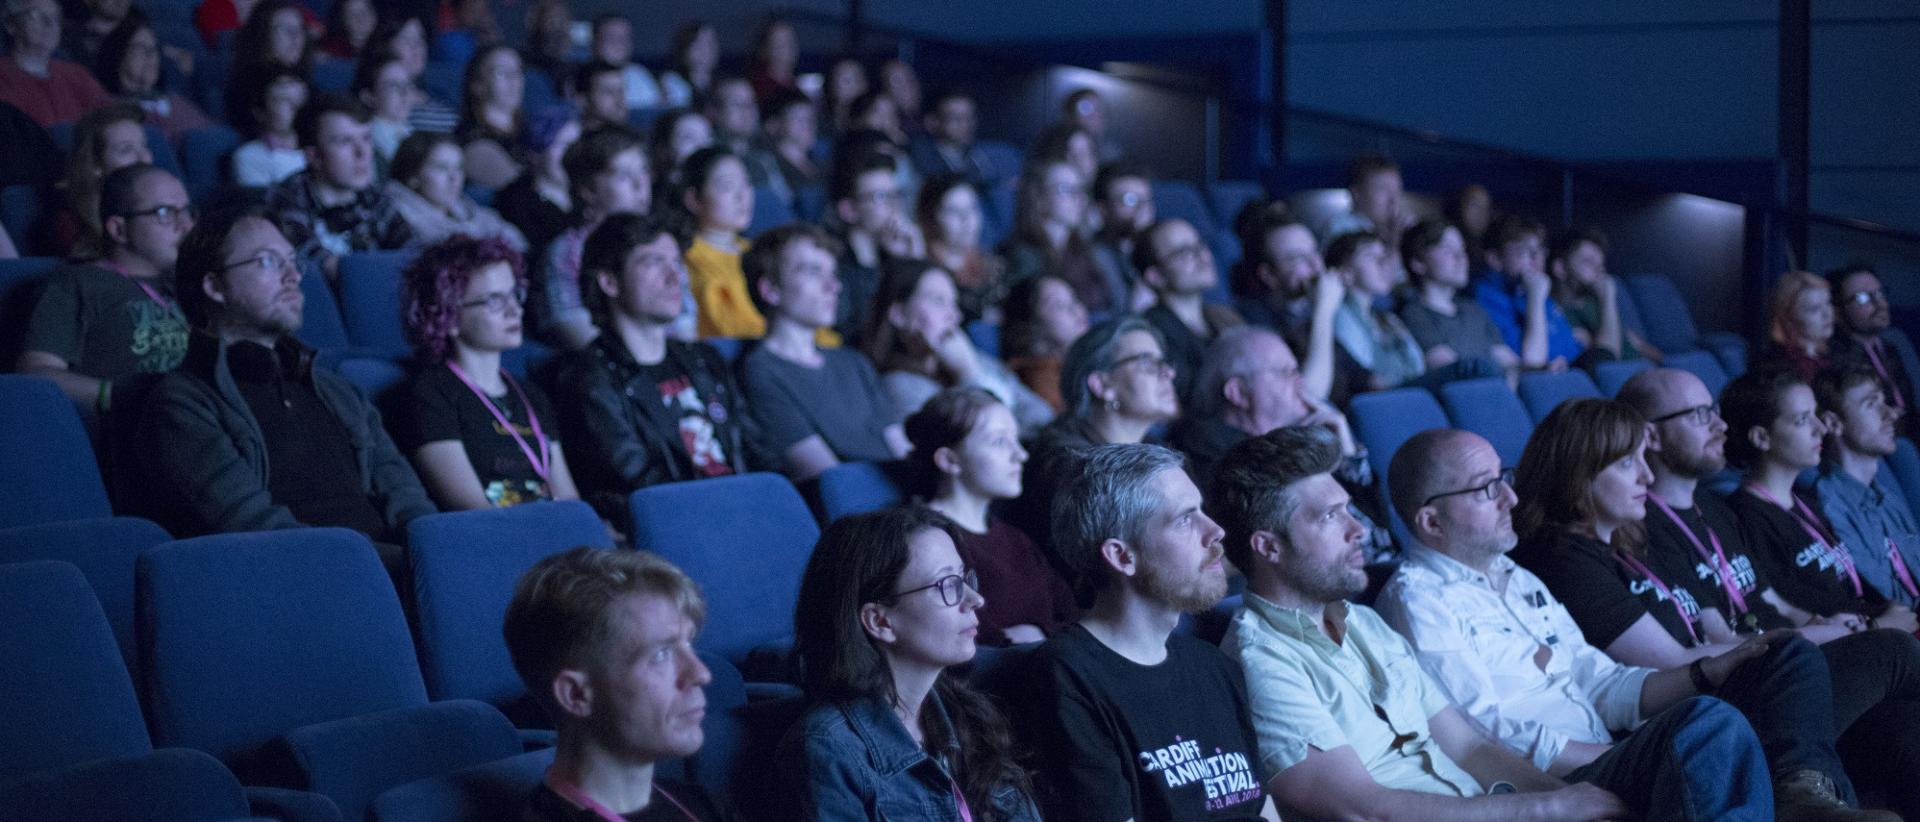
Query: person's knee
[[1795, 651], [1708, 713]]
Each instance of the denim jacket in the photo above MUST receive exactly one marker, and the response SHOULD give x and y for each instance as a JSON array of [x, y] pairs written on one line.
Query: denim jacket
[[854, 761]]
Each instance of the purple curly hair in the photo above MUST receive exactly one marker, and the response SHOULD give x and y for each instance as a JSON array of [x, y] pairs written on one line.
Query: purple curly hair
[[435, 283]]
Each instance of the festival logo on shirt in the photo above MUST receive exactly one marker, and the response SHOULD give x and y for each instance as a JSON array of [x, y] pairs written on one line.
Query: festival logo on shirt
[[1821, 557], [1743, 576], [159, 337], [1226, 775], [1688, 604], [696, 429]]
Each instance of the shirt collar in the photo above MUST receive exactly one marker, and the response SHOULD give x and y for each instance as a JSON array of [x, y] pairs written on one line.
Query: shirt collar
[[1294, 623], [1449, 569]]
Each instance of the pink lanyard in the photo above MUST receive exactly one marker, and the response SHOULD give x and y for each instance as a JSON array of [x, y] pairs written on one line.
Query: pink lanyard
[[1718, 559], [1900, 569], [573, 794], [541, 465], [1640, 568], [152, 294], [966, 812], [1880, 368], [1810, 524]]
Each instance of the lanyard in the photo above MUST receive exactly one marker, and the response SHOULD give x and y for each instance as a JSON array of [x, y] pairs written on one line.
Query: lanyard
[[966, 813], [1810, 523], [152, 294], [1718, 559], [1900, 569], [541, 465], [1640, 568], [1886, 380], [573, 794]]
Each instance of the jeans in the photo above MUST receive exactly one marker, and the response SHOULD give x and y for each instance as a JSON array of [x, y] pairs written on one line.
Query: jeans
[[1694, 761], [1787, 696], [1876, 704]]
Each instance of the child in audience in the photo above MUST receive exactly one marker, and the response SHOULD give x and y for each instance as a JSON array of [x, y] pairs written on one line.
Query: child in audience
[[949, 215], [916, 341], [887, 607], [106, 139], [272, 99], [128, 65], [1800, 323], [427, 184], [967, 456], [1043, 319], [1577, 259], [480, 438], [1448, 329], [490, 119]]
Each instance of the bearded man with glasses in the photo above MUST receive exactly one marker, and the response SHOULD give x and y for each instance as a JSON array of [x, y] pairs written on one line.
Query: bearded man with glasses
[[248, 434], [1866, 336]]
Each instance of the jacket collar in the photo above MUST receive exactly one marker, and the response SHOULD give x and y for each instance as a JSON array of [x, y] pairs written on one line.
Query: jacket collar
[[889, 749]]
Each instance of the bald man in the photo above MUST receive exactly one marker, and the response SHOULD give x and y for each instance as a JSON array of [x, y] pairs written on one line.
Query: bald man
[[1510, 655]]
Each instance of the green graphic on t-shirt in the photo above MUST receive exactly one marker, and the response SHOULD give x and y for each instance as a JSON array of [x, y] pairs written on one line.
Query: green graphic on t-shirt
[[159, 339]]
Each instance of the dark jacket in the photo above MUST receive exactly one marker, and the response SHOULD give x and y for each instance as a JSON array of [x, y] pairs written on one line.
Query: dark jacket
[[854, 760], [621, 437], [207, 455]]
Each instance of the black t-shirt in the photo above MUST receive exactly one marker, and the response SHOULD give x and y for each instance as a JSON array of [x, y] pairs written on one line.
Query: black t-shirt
[[312, 468], [440, 407], [1112, 740], [1669, 549], [699, 418], [1606, 595], [105, 325], [672, 802], [841, 401], [1809, 574]]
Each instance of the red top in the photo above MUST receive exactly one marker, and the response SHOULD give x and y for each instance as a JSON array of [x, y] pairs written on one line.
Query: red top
[[66, 93], [1018, 584]]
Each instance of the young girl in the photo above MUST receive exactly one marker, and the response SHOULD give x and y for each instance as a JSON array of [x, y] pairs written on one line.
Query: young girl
[[274, 153]]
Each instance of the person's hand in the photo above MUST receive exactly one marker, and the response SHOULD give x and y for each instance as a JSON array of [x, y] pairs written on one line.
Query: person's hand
[[954, 351], [1898, 617], [1718, 668], [1441, 356], [1328, 291], [1606, 287], [1585, 801], [1538, 286], [1321, 412], [1141, 298], [901, 238]]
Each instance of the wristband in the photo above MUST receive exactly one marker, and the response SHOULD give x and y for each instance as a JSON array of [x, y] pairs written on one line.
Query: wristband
[[1697, 672], [104, 402]]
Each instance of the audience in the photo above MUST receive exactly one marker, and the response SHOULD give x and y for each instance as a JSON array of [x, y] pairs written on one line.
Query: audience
[[1177, 264], [272, 101], [718, 198], [599, 89], [87, 25], [427, 184], [1449, 330], [676, 135], [1049, 237], [607, 174], [490, 116], [103, 319], [248, 434], [776, 53], [1872, 521], [949, 216], [1377, 203], [1582, 530], [1471, 209], [540, 201], [406, 38], [1283, 285], [1577, 259], [549, 44], [1106, 740], [1042, 319], [1064, 142], [846, 80], [474, 432], [818, 406], [381, 83], [902, 85], [1373, 340], [48, 89], [948, 147], [967, 457], [916, 342], [691, 64], [887, 608], [1349, 724], [1517, 295], [793, 133], [335, 207], [349, 28], [1123, 200], [1248, 384], [735, 116], [274, 36], [870, 206], [612, 42], [603, 640], [128, 65], [1087, 110], [1867, 336], [1800, 324], [645, 407], [107, 139]]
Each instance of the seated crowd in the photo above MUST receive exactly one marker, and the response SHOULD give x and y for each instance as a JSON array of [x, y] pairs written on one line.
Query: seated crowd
[[1130, 450]]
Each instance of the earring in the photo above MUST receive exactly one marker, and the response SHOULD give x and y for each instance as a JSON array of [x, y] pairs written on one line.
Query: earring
[[1113, 403]]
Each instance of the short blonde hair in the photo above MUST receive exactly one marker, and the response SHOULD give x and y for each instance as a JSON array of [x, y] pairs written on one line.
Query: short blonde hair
[[1786, 293]]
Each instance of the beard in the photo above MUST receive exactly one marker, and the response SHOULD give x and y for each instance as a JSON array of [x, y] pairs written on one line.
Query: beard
[[1327, 583], [1188, 593], [1698, 465]]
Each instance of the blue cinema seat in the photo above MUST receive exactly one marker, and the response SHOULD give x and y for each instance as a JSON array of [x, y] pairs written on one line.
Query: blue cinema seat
[[1701, 364], [1610, 375], [1669, 324], [1541, 391], [858, 487], [370, 301], [1383, 420], [1487, 407], [49, 468], [104, 550]]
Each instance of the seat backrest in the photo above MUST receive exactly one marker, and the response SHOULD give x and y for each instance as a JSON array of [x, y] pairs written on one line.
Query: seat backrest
[[1385, 419], [770, 210], [374, 376], [49, 469], [1002, 160], [65, 696], [1663, 311], [744, 539], [1610, 375], [857, 487], [1905, 463], [494, 792], [303, 623], [465, 565], [370, 301], [716, 766], [1702, 364], [320, 323], [203, 159], [1487, 407], [20, 283], [1180, 199], [20, 211], [1541, 391], [171, 785], [1229, 196], [104, 550]]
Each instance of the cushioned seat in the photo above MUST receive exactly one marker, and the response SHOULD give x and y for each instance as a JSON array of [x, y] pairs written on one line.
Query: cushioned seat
[[370, 301], [1383, 420], [1487, 407], [104, 550], [1541, 391], [858, 487], [1609, 376], [49, 469]]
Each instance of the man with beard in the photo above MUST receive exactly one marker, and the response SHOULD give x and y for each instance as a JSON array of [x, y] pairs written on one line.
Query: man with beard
[[1124, 718], [247, 435], [1349, 726], [1280, 261], [1865, 336], [1874, 523]]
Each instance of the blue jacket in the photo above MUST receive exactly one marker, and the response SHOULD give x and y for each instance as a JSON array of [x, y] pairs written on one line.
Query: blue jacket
[[854, 761], [1506, 302]]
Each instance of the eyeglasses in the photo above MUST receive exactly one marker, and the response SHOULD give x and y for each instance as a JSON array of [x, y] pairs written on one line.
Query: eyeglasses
[[1865, 297], [1068, 189], [1487, 493], [948, 586], [1183, 254], [1131, 199], [1697, 415], [269, 261], [1154, 362], [167, 214], [498, 302]]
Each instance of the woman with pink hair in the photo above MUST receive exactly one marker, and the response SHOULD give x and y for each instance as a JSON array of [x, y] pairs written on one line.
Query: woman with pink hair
[[1800, 323]]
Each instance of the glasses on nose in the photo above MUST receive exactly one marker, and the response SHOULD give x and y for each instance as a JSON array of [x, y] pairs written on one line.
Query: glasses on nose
[[1867, 297], [881, 197], [1131, 199], [948, 586], [165, 214], [1183, 254], [1701, 415], [269, 261], [1154, 363], [498, 302], [1068, 190], [1485, 493]]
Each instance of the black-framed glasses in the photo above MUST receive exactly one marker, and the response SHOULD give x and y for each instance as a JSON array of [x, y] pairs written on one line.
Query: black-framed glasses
[[1154, 363], [1487, 492], [948, 586], [1183, 254], [170, 214], [269, 260], [1865, 297], [499, 301], [1697, 415]]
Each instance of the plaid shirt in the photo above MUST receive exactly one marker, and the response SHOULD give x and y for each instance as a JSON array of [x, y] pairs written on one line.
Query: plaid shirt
[[368, 222]]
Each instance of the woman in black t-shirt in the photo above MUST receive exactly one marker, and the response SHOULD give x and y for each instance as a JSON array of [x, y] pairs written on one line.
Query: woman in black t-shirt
[[479, 438]]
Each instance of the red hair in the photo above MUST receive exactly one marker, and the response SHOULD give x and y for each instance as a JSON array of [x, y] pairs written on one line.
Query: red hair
[[435, 283]]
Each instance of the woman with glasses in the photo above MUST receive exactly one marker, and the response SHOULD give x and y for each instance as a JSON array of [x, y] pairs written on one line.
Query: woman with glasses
[[914, 337], [428, 186], [887, 606], [1050, 236], [479, 437], [128, 65], [949, 214]]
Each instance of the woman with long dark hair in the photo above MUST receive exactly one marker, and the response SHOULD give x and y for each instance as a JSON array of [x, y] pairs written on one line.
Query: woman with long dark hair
[[128, 66], [887, 606], [914, 337]]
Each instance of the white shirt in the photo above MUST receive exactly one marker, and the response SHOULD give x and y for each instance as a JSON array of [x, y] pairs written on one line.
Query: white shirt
[[1481, 646]]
